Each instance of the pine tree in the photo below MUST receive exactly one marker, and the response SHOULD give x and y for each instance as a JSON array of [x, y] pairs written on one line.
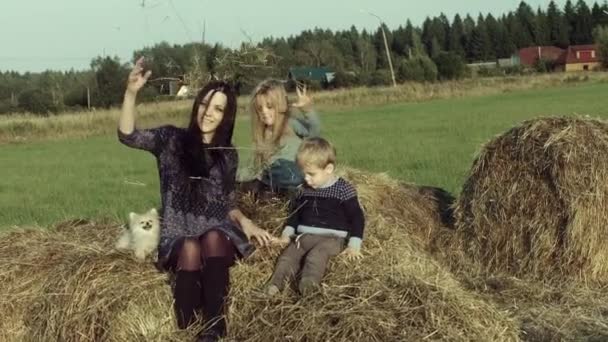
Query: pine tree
[[494, 39], [558, 27], [457, 37], [468, 25], [479, 44], [444, 27], [597, 14], [427, 34], [400, 41], [542, 30], [506, 47], [409, 34], [570, 18], [583, 29], [527, 24]]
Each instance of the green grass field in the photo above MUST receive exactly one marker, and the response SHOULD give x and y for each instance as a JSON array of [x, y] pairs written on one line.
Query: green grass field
[[430, 143]]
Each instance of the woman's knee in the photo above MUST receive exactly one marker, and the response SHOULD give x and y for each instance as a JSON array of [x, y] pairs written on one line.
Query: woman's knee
[[190, 255], [215, 244], [212, 238]]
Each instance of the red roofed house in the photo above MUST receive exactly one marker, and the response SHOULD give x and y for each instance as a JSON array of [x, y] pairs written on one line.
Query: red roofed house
[[574, 58], [581, 57], [528, 56]]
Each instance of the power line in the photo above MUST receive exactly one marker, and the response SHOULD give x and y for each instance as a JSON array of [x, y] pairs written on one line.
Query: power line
[[181, 20]]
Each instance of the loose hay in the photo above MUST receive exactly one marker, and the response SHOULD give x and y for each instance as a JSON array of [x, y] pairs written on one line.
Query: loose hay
[[397, 293], [66, 284], [536, 201], [561, 312]]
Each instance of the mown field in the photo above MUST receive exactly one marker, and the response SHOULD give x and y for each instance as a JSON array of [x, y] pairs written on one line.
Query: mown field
[[74, 167]]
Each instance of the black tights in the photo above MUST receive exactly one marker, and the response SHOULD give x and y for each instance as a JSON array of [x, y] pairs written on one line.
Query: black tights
[[193, 252], [203, 280]]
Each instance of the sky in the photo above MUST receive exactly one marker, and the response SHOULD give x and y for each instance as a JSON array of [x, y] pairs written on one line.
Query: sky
[[37, 35]]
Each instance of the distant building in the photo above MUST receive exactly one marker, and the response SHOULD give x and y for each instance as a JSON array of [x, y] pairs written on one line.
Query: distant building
[[582, 57], [318, 74], [183, 91], [168, 85], [509, 62], [485, 65], [530, 55], [574, 58]]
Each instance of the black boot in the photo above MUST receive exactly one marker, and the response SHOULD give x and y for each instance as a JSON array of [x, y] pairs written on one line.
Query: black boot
[[215, 283], [187, 295]]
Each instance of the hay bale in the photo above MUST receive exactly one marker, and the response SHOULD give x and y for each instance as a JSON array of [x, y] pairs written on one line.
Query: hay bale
[[396, 293], [536, 199], [548, 312], [69, 285]]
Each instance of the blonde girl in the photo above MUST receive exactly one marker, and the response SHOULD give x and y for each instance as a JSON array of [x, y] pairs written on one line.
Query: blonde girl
[[277, 133]]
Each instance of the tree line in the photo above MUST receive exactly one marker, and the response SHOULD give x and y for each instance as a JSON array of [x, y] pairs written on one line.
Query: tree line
[[438, 49]]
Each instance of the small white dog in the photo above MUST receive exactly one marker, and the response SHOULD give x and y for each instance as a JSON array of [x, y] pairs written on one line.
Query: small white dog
[[143, 234]]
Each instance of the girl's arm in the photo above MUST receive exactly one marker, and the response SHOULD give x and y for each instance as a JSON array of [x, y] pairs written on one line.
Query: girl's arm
[[309, 124]]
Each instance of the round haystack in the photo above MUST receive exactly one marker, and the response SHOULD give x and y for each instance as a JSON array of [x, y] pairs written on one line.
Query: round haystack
[[67, 284], [536, 201]]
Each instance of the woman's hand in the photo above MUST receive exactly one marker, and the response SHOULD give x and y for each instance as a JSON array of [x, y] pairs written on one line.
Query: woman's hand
[[137, 78], [304, 102], [256, 233]]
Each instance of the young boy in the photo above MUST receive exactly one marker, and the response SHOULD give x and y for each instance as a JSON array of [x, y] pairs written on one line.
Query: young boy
[[324, 215]]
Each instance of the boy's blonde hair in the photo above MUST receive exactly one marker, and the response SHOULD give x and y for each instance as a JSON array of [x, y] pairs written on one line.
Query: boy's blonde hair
[[272, 92], [316, 151]]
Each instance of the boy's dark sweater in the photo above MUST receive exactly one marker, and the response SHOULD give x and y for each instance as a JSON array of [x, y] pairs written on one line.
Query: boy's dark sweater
[[334, 207]]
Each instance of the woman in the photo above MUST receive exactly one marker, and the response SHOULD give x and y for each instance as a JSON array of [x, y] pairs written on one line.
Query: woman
[[202, 230]]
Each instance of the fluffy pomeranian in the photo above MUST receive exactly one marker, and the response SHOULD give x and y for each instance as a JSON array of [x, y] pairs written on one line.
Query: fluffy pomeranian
[[142, 235]]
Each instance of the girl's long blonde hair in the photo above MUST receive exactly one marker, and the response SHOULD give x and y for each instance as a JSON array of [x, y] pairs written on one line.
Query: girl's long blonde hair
[[273, 92]]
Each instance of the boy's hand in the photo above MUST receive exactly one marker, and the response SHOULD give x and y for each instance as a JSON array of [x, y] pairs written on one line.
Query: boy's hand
[[351, 254], [283, 240]]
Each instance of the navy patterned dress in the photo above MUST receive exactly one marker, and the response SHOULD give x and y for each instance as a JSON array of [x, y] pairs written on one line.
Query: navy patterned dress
[[190, 206]]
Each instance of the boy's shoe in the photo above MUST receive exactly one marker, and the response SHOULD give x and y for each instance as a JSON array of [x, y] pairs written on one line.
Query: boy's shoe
[[272, 290], [307, 286]]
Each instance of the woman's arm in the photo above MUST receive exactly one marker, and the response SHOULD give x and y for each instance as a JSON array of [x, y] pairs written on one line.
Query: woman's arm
[[250, 229], [152, 140], [235, 214], [137, 79]]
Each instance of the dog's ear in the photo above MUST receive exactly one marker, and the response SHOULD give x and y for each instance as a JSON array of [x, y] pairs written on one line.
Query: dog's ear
[[132, 216], [153, 211]]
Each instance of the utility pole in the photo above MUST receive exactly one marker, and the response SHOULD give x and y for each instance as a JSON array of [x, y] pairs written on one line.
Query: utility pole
[[88, 98], [388, 53]]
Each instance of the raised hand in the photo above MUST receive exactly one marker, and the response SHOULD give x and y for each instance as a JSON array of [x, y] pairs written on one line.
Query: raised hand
[[304, 102], [137, 78]]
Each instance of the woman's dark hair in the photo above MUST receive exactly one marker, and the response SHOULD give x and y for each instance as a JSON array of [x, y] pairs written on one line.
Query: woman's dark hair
[[199, 157]]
